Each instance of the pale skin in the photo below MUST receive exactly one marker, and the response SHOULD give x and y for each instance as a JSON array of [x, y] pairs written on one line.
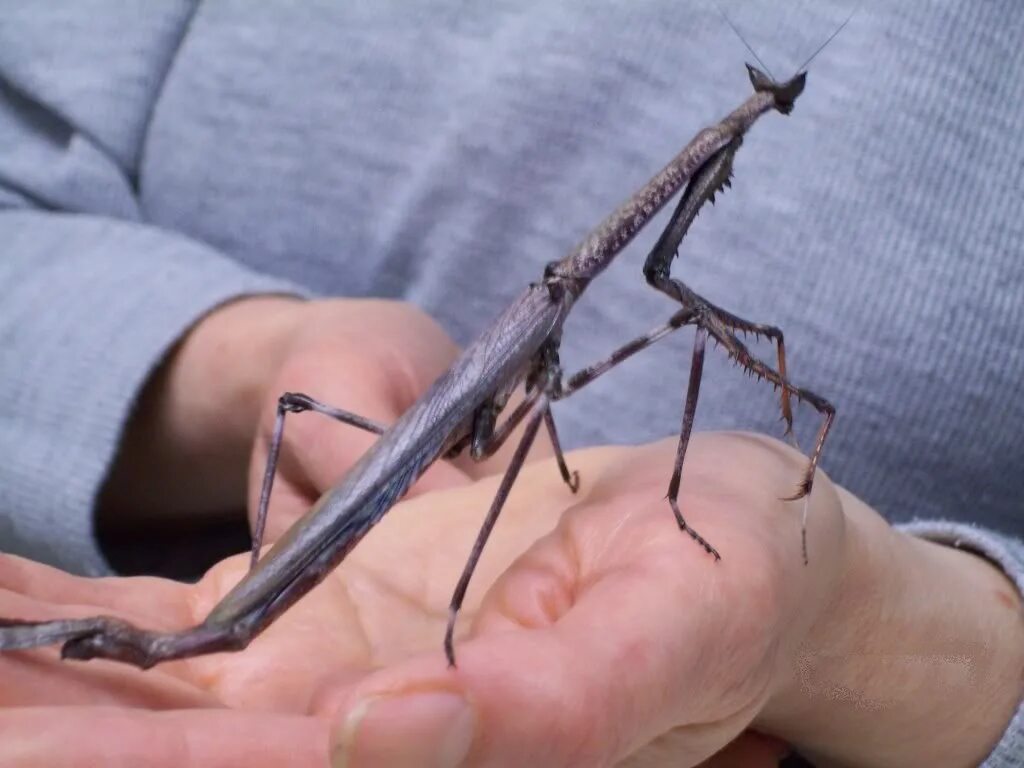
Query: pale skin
[[594, 633]]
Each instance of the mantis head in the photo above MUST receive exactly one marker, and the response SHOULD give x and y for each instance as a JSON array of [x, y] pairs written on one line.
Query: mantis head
[[785, 93]]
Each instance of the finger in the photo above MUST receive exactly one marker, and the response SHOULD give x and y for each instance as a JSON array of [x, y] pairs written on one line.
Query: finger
[[317, 452], [66, 737], [41, 678], [547, 696], [161, 602], [34, 592], [610, 632]]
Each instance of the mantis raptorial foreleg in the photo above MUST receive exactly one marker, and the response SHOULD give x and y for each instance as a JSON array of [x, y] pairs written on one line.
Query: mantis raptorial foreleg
[[720, 325], [772, 333]]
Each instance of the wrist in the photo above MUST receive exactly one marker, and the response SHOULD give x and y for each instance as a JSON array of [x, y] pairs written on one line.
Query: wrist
[[918, 659], [196, 417]]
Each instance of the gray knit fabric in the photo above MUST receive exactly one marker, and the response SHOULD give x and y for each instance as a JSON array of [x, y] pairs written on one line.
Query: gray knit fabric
[[157, 159]]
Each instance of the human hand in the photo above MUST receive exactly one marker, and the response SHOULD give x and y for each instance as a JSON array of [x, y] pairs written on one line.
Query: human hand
[[211, 406], [372, 358], [612, 640], [365, 617], [607, 644]]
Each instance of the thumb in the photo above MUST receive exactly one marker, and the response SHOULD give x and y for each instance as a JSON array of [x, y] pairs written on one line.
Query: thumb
[[609, 640], [569, 680]]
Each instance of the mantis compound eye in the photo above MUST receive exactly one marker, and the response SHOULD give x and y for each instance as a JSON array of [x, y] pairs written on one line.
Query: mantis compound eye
[[785, 93]]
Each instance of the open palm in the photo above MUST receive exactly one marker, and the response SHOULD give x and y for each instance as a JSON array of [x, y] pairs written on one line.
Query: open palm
[[594, 632]]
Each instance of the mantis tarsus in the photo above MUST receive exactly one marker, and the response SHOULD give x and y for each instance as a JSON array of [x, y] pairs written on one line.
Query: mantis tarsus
[[460, 410]]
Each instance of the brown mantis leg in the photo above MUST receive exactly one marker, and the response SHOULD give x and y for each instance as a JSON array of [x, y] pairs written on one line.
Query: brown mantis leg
[[586, 375], [485, 440], [712, 178], [708, 322], [228, 627], [500, 435], [683, 317], [738, 351], [295, 402], [538, 407], [571, 478], [689, 411], [110, 638], [774, 334], [536, 415]]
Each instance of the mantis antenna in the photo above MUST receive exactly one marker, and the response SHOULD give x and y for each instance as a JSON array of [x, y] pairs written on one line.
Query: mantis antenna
[[831, 37], [739, 34], [810, 58]]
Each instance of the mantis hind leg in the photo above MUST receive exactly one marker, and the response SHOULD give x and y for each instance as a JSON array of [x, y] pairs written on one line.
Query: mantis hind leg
[[231, 625], [294, 402], [106, 637]]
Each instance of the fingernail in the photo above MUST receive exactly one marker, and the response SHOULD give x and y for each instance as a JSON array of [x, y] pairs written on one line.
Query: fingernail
[[425, 730]]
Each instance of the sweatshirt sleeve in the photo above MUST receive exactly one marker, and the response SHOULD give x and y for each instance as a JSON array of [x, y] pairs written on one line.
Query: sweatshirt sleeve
[[92, 296], [1008, 554]]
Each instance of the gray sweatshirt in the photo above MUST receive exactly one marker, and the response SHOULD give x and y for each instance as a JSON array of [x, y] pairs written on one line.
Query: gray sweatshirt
[[157, 160]]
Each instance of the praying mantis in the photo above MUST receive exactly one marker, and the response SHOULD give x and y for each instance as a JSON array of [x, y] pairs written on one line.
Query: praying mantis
[[461, 409]]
